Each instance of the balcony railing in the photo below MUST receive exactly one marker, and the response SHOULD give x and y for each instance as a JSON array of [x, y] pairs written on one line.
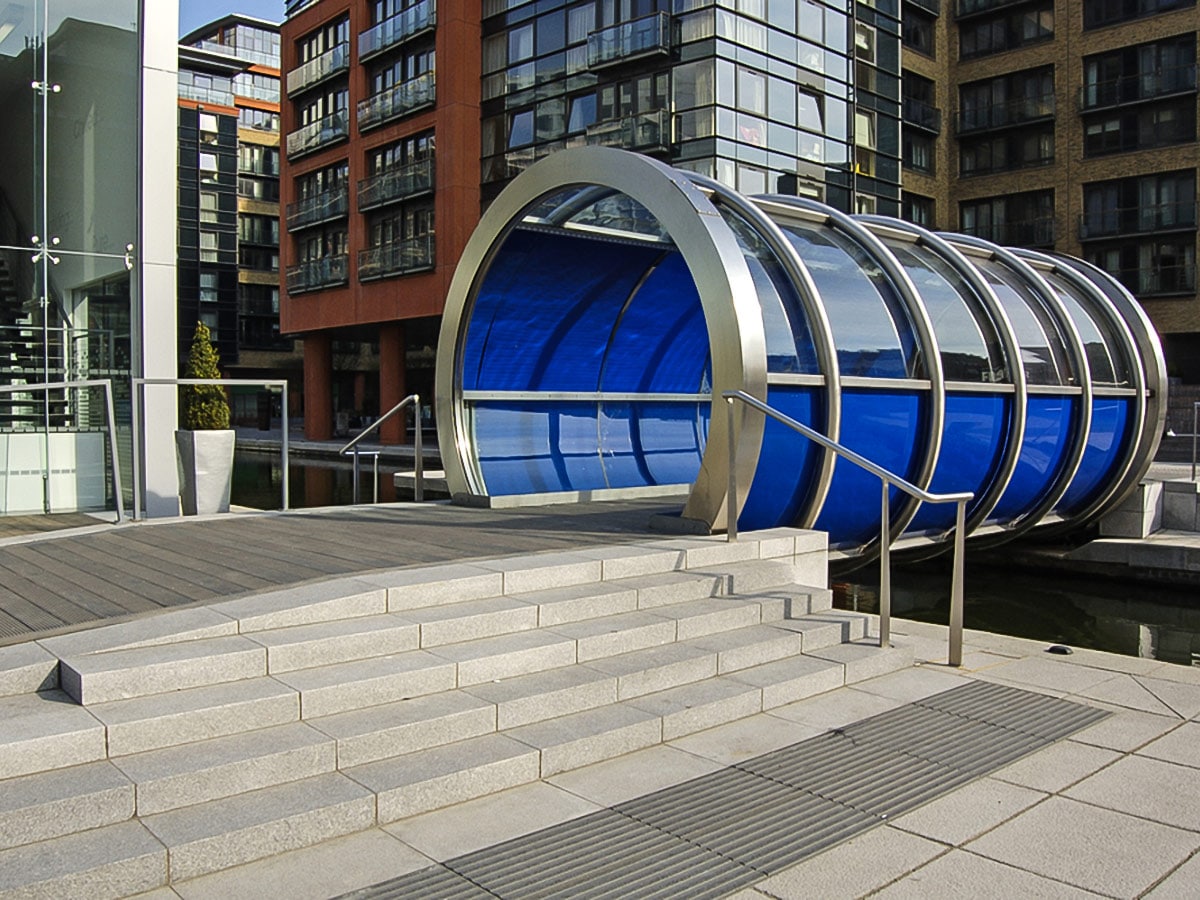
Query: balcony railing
[[399, 183], [1124, 220], [314, 274], [1159, 281], [330, 63], [1004, 115], [965, 8], [933, 6], [396, 258], [205, 95], [398, 100], [322, 207], [256, 92], [1025, 233], [318, 134], [405, 24], [922, 115], [646, 36], [1137, 88], [644, 131], [259, 57]]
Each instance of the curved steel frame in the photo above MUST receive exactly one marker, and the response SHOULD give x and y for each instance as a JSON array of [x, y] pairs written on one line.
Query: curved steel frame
[[687, 208]]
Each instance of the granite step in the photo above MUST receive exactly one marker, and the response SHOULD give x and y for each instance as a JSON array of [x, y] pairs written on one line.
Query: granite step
[[50, 804], [188, 774], [109, 862], [220, 834], [46, 731]]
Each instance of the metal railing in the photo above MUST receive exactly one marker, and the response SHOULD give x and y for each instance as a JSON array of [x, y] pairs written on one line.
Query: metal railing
[[334, 60], [629, 40], [139, 438], [413, 400], [398, 28], [885, 541], [110, 419], [1195, 422]]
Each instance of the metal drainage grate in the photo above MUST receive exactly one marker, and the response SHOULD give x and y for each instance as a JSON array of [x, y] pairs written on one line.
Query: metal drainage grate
[[716, 834]]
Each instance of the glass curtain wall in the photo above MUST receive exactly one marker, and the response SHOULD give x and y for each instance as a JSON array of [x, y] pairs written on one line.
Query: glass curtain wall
[[69, 86]]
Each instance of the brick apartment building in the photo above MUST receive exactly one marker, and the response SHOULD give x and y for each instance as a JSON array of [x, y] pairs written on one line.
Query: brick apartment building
[[1048, 123]]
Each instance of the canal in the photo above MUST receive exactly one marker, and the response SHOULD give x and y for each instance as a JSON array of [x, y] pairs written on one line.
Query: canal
[[258, 480], [1136, 619]]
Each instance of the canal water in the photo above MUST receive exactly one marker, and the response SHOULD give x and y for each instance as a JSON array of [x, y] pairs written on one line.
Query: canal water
[[258, 481], [1146, 620]]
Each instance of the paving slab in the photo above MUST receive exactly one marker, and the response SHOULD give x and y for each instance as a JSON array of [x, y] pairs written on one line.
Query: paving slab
[[744, 739], [475, 824], [1180, 884], [1057, 767], [1129, 693], [1088, 847], [969, 811], [1049, 674], [1126, 730], [312, 873], [961, 874], [1182, 745], [827, 711], [913, 683], [1150, 788], [633, 775], [854, 869]]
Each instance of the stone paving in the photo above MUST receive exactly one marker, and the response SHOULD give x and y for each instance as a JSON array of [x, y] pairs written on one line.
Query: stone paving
[[1114, 811]]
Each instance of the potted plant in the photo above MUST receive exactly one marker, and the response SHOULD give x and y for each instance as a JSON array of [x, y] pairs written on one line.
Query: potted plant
[[205, 441]]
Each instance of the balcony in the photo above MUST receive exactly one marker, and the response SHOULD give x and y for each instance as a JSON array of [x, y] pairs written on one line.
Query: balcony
[[1023, 233], [398, 100], [1127, 220], [1137, 88], [644, 131], [647, 36], [932, 6], [315, 274], [205, 95], [1159, 281], [964, 9], [322, 133], [1019, 111], [396, 258], [396, 184], [322, 207], [922, 115], [258, 57], [405, 24], [332, 62]]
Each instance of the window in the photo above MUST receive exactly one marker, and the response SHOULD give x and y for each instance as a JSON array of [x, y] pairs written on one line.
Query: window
[[520, 131], [1099, 13], [1161, 202], [752, 92], [864, 42], [918, 151], [583, 113], [917, 31], [917, 209], [1006, 30], [1023, 220]]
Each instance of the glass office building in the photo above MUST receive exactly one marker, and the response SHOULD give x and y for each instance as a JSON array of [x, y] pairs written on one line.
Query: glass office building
[[608, 301], [72, 251]]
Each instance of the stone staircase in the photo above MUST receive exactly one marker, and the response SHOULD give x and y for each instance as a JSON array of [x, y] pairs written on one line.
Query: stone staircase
[[147, 753]]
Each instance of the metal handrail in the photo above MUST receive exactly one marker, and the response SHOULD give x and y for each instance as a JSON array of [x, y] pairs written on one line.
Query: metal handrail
[[109, 413], [1195, 422], [139, 438], [885, 540], [418, 464]]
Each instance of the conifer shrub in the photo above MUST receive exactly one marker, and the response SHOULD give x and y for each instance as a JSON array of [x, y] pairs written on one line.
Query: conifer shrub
[[204, 405]]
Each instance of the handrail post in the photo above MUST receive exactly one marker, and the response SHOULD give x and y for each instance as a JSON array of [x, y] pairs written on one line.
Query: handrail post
[[136, 443], [418, 461], [354, 477], [956, 587], [1195, 410], [110, 412], [375, 480], [283, 448], [731, 533], [885, 572]]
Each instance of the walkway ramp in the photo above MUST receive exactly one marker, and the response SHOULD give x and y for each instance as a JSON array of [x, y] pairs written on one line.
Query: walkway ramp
[[150, 752]]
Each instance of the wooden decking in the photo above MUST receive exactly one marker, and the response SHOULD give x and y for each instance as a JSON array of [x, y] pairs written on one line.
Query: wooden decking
[[63, 580]]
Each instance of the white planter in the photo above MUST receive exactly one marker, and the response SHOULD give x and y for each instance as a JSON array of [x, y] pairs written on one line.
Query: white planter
[[205, 470]]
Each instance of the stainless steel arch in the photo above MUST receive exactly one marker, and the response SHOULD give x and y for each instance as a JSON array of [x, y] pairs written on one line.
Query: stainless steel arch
[[1078, 360], [876, 250], [722, 279], [1103, 307], [1008, 339]]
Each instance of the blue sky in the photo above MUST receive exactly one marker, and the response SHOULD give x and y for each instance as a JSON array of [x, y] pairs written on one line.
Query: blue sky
[[194, 13]]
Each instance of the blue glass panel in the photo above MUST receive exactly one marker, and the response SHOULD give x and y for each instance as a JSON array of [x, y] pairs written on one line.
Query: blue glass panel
[[787, 462], [671, 439], [1043, 349], [1111, 425], [887, 428], [546, 309], [973, 442], [1047, 436], [871, 330], [661, 340], [533, 447]]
